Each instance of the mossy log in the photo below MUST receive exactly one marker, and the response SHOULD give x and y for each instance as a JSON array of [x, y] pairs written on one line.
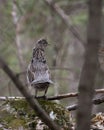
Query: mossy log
[[17, 114]]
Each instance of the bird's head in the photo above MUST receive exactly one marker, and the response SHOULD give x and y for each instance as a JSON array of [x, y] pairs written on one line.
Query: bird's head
[[42, 43]]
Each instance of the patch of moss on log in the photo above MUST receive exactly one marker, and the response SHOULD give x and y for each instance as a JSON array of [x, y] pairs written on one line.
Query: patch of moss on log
[[21, 114]]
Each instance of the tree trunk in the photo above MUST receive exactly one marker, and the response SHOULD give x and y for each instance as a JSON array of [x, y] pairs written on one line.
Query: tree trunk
[[90, 66]]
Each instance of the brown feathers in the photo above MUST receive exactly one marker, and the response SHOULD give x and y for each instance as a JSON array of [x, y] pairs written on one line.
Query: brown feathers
[[38, 72]]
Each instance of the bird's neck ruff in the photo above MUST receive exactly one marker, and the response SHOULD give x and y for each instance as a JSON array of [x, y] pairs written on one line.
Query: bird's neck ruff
[[39, 49]]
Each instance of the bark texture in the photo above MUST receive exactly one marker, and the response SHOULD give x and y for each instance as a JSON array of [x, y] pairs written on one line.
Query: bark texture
[[90, 66]]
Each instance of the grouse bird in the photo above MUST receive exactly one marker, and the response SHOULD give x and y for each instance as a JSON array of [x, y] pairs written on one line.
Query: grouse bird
[[38, 75]]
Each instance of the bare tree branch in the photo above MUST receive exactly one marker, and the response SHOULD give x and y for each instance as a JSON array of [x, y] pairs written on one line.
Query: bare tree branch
[[62, 96], [72, 107], [18, 6], [33, 102], [95, 102], [66, 19], [58, 97]]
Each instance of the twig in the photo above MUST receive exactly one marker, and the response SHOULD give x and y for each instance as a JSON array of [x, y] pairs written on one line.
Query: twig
[[10, 98], [18, 6], [62, 96], [99, 91], [98, 100], [95, 102]]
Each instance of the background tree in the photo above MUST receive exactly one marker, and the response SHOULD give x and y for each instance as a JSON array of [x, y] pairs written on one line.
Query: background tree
[[90, 66]]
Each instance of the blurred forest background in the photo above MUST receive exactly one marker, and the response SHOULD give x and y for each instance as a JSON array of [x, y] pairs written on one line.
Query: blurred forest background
[[63, 23]]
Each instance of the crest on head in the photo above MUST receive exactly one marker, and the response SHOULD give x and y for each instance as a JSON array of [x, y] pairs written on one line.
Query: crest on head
[[40, 44], [42, 41]]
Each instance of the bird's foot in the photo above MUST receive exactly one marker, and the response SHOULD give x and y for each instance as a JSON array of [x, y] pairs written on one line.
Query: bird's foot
[[44, 97], [41, 97]]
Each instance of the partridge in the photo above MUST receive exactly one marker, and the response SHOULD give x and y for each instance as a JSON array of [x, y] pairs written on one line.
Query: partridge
[[38, 75]]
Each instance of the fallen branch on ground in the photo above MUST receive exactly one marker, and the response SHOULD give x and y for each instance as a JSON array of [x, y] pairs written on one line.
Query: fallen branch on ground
[[95, 102], [58, 97], [62, 96]]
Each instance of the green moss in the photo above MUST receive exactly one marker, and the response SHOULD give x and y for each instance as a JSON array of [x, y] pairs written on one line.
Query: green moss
[[62, 115], [6, 116], [23, 115], [16, 123]]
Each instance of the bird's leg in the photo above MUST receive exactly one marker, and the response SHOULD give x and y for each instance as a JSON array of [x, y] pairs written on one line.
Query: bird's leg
[[44, 96], [36, 91], [45, 91]]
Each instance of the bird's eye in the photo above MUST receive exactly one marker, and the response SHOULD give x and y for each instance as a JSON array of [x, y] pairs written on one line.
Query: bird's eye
[[39, 41], [45, 42]]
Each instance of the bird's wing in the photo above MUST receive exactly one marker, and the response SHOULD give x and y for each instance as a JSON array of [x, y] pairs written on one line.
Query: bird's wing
[[30, 74]]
